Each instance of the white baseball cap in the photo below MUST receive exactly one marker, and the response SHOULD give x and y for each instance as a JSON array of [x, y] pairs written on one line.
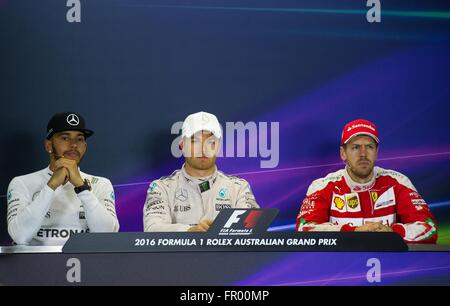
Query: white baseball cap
[[201, 121]]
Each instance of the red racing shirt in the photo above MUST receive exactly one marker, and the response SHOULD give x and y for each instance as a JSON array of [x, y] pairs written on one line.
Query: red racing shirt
[[337, 203]]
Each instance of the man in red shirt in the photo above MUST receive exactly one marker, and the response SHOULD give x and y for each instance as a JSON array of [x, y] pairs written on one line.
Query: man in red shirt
[[366, 198]]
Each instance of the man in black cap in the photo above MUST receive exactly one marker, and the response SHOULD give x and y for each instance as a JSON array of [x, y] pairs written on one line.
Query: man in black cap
[[46, 207]]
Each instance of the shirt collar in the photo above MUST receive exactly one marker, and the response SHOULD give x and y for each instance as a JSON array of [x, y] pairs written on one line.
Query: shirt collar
[[202, 184], [357, 187]]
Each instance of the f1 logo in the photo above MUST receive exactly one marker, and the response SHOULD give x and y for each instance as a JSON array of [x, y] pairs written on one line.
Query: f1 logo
[[234, 218], [252, 218]]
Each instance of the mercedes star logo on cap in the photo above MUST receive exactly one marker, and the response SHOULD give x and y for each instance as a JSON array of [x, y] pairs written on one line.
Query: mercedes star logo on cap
[[73, 120], [205, 119]]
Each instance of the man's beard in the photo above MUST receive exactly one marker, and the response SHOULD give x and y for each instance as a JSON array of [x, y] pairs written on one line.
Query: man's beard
[[197, 164], [57, 156], [362, 174]]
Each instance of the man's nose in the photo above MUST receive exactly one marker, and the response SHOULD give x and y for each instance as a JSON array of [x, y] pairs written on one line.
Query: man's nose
[[363, 151], [73, 143], [198, 151]]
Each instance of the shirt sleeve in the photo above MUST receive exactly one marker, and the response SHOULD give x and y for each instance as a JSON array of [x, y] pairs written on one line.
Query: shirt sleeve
[[314, 214], [417, 224], [25, 215], [99, 206], [245, 197], [157, 216]]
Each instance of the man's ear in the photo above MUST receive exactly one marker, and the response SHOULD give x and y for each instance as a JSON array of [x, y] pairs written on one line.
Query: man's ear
[[48, 146], [180, 145], [343, 154]]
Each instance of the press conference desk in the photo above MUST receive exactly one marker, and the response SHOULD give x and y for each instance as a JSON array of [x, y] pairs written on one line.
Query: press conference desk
[[227, 266]]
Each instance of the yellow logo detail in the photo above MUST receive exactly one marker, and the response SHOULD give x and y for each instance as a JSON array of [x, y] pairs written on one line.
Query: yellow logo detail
[[374, 196], [353, 201], [339, 203]]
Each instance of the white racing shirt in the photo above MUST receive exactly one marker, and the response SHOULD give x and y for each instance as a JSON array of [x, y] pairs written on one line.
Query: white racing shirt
[[38, 215], [179, 201]]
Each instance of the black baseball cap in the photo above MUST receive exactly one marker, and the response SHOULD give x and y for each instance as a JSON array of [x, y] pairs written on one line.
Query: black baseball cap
[[68, 121]]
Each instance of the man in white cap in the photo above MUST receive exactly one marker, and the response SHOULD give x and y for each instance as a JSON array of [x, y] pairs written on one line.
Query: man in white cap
[[47, 206], [190, 198], [363, 197]]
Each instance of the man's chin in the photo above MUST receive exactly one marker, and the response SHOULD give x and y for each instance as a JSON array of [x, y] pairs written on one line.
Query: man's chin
[[204, 166], [364, 174], [76, 159], [361, 171]]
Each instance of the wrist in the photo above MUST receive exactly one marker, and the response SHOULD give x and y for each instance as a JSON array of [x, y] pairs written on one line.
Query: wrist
[[78, 182], [85, 186], [52, 186]]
